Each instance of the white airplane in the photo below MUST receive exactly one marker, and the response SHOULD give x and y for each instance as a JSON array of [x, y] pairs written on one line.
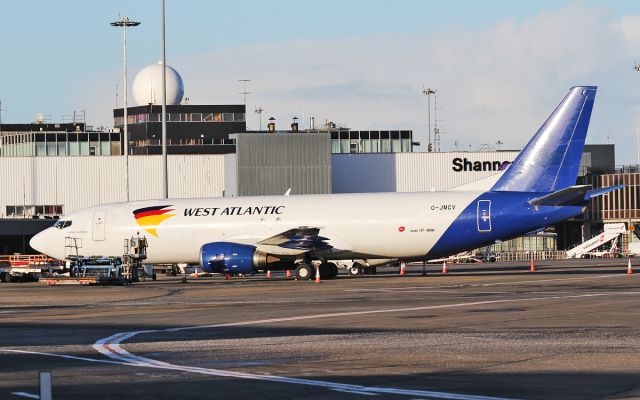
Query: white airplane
[[243, 234]]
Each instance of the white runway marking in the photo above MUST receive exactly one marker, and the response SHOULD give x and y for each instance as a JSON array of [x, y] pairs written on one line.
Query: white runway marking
[[25, 394], [67, 356], [110, 347], [514, 283]]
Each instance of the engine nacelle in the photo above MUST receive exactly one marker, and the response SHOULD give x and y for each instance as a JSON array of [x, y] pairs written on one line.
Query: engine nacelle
[[231, 257]]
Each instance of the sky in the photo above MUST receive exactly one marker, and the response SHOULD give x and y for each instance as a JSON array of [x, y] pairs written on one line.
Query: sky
[[499, 67]]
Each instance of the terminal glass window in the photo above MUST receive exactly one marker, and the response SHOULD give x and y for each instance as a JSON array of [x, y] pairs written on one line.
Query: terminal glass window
[[238, 117], [41, 149], [31, 211], [105, 148], [344, 145], [62, 149], [396, 146], [406, 145], [51, 149], [196, 117], [335, 146], [84, 148], [217, 117], [227, 117], [74, 149], [385, 146]]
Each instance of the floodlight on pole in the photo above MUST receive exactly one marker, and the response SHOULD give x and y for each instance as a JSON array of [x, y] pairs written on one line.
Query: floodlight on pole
[[259, 111], [165, 169], [125, 23], [428, 92]]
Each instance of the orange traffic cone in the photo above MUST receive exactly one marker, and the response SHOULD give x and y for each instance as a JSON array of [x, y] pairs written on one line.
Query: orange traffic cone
[[195, 274], [444, 267], [317, 275], [533, 266], [288, 273], [403, 266], [629, 270], [268, 273]]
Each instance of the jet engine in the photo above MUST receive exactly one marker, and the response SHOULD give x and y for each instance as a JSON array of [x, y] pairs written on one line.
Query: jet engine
[[232, 257]]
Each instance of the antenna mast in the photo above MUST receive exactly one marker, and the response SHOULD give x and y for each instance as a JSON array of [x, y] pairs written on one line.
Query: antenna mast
[[244, 92]]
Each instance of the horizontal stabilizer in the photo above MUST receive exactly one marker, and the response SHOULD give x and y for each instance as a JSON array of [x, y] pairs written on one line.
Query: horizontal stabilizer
[[572, 196], [599, 192]]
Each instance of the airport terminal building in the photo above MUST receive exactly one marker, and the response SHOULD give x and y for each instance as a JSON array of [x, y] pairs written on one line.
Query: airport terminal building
[[40, 189]]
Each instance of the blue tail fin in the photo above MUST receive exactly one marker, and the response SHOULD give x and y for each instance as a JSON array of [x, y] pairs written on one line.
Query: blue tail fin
[[550, 161]]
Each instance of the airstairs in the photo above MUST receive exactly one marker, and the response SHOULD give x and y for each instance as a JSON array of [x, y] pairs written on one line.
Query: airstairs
[[610, 232]]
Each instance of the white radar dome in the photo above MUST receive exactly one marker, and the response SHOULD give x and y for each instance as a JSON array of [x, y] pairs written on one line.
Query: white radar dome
[[147, 85]]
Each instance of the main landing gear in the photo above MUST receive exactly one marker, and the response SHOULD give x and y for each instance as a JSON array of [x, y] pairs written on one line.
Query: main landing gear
[[360, 269], [306, 270]]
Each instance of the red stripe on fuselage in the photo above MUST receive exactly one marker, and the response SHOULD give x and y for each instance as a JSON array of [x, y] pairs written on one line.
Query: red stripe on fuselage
[[152, 212]]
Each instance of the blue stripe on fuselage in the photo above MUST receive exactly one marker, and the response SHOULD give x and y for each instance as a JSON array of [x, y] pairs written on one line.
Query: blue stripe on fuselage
[[511, 216]]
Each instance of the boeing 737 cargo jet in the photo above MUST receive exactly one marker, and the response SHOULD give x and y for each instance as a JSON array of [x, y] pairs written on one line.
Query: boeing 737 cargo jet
[[244, 234]]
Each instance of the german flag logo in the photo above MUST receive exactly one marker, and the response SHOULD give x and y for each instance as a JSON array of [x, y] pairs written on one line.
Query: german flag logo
[[150, 217]]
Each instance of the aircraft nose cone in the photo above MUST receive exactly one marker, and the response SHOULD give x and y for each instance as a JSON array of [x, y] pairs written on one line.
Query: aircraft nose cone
[[38, 242]]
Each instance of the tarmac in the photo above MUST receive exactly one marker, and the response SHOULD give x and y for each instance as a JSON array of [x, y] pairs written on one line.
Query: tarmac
[[570, 330]]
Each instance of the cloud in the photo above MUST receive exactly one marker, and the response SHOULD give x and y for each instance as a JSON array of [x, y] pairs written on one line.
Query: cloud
[[494, 83]]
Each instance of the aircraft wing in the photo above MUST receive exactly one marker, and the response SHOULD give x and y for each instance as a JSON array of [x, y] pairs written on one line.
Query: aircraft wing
[[303, 238]]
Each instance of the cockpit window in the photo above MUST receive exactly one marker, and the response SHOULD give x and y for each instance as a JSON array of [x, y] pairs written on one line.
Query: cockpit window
[[62, 224]]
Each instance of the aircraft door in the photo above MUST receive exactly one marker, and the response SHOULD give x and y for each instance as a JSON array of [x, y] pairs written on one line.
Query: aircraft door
[[484, 216], [99, 222]]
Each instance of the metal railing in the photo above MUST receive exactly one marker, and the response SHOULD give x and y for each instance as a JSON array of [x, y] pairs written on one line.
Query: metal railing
[[529, 255]]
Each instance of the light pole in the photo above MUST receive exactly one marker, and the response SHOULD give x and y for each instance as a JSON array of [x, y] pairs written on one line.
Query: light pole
[[259, 111], [165, 172], [124, 23], [428, 92]]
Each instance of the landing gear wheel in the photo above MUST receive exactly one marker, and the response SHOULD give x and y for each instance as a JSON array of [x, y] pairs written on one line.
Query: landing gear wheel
[[370, 270], [304, 271], [328, 270], [355, 269], [4, 277]]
